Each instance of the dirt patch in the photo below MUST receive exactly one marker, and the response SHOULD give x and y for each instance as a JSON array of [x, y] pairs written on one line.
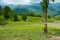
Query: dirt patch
[[55, 38], [54, 24]]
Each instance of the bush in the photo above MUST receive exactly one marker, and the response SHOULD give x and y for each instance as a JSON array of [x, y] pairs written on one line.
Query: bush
[[15, 17], [57, 17], [2, 21], [38, 15], [31, 14], [23, 17], [48, 16]]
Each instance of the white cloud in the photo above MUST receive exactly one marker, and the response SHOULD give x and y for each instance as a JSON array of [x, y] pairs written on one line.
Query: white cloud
[[16, 1], [35, 1], [23, 1], [57, 0]]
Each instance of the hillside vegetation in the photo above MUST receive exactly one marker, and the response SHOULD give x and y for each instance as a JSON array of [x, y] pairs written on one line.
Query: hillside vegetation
[[21, 26]]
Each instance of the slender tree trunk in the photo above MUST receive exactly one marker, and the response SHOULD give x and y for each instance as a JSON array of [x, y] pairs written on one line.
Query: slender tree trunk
[[45, 17], [45, 22]]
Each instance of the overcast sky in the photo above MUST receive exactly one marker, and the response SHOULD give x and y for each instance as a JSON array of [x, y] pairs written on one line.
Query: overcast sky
[[21, 1]]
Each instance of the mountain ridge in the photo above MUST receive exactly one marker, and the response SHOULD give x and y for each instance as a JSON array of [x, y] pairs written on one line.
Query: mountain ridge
[[53, 9]]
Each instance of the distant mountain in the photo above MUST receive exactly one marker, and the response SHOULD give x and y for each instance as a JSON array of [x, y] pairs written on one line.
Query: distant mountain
[[20, 10], [54, 8]]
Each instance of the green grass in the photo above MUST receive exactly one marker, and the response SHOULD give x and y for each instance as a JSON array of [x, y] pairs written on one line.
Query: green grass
[[25, 31], [33, 19], [21, 31]]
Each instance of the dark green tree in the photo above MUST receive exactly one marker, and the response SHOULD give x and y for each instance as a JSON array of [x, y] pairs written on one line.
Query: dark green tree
[[7, 12], [15, 17], [44, 4]]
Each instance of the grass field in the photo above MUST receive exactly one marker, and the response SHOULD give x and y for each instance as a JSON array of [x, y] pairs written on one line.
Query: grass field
[[25, 31], [35, 19]]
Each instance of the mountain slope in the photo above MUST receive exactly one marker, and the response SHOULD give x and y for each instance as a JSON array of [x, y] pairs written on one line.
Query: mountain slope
[[54, 8]]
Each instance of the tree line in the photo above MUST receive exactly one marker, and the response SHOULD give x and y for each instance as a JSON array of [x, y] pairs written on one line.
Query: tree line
[[6, 14]]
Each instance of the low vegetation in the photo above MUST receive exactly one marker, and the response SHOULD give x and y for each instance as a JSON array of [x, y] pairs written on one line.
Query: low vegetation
[[57, 17], [26, 31]]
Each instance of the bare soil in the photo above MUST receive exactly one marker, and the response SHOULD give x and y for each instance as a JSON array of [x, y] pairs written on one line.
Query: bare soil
[[55, 38], [55, 24]]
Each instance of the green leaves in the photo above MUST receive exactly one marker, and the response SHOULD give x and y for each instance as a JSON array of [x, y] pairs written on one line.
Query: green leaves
[[45, 3], [41, 3]]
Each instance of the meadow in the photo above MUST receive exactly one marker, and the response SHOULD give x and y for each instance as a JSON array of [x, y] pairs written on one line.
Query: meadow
[[27, 30]]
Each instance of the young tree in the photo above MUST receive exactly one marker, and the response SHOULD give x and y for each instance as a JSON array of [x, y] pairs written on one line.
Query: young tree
[[7, 12], [44, 4]]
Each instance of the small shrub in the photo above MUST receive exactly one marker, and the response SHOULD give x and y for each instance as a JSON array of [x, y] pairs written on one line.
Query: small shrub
[[38, 15], [48, 16], [31, 14], [57, 17], [23, 17], [2, 21], [15, 17]]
